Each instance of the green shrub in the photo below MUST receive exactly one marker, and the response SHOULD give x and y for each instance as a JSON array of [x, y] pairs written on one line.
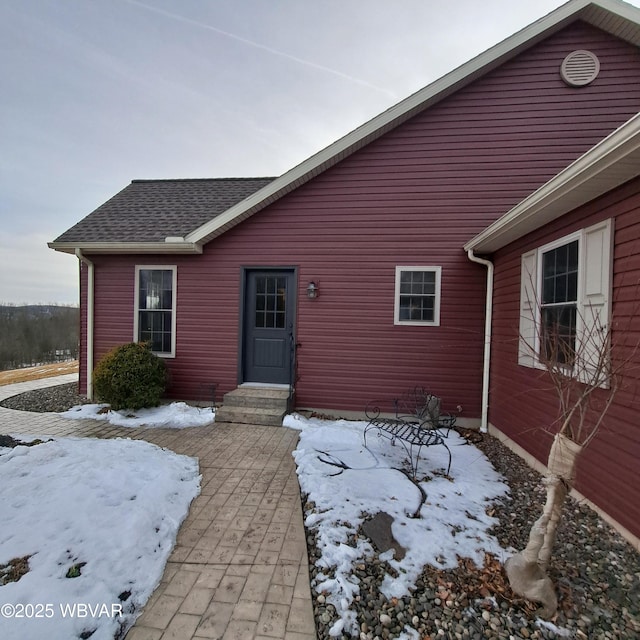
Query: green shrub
[[130, 377]]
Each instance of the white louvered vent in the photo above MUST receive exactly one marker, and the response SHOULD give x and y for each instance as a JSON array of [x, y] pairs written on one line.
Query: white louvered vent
[[580, 68]]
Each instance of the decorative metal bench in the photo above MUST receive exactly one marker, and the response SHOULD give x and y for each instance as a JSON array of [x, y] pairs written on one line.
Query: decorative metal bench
[[414, 420]]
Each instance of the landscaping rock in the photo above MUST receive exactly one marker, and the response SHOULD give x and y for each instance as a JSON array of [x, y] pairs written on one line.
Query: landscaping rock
[[378, 530], [50, 399]]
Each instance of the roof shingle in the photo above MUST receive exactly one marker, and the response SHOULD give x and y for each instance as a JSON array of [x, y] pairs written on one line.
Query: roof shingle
[[151, 210]]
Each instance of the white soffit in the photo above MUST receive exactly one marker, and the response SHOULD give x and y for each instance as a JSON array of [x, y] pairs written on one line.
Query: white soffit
[[612, 162]]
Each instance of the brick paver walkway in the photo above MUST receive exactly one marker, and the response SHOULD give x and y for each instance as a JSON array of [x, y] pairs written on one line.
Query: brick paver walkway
[[239, 569]]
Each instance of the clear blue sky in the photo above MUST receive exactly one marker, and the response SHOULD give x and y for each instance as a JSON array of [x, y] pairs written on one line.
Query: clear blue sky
[[95, 94]]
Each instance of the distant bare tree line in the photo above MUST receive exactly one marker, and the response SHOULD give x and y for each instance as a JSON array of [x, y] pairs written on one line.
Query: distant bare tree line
[[37, 334]]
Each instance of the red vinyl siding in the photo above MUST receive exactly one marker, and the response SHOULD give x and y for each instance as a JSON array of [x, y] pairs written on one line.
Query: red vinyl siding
[[522, 404], [413, 197]]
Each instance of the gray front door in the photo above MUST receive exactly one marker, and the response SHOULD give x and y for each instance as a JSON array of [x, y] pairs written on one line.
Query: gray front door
[[268, 326]]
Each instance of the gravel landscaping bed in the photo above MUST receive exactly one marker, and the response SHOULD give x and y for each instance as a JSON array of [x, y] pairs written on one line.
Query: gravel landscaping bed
[[597, 573], [51, 399]]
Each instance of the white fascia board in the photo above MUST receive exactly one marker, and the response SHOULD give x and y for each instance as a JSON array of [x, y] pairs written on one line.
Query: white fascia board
[[394, 116], [127, 247], [605, 166], [618, 7]]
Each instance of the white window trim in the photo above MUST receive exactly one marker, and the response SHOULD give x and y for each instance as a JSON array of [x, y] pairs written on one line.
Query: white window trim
[[595, 281], [136, 314], [436, 307]]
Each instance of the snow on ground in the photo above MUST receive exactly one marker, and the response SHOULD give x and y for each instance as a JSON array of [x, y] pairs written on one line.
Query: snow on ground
[[348, 482], [176, 415], [114, 505]]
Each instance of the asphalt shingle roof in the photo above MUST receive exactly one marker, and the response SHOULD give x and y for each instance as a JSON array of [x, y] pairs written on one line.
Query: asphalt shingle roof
[[151, 210]]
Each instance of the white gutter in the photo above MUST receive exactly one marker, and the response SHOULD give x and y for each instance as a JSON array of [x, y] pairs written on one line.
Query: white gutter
[[488, 314], [170, 245], [90, 315]]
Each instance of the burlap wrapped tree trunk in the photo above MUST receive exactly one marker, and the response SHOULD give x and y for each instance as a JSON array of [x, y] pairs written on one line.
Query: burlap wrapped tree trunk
[[562, 458], [526, 570]]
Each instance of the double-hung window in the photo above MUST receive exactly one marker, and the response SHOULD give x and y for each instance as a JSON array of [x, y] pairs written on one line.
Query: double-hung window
[[565, 298], [417, 298], [155, 312], [559, 302]]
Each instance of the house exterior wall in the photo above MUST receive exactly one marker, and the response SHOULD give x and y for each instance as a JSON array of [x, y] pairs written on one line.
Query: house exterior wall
[[411, 198], [522, 404]]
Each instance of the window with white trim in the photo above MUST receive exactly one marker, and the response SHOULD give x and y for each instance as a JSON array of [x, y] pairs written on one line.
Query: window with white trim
[[417, 296], [155, 308], [565, 299]]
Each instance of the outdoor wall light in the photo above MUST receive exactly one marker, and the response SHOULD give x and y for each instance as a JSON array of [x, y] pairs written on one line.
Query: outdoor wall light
[[312, 290]]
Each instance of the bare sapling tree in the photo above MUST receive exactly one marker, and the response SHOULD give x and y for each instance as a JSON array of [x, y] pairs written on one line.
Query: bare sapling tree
[[585, 370]]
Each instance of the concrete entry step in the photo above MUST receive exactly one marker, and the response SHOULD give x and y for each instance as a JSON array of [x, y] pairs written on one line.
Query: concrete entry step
[[250, 404]]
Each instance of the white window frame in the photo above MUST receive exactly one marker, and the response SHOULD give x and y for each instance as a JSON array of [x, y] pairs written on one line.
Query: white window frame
[[436, 306], [174, 300], [595, 278]]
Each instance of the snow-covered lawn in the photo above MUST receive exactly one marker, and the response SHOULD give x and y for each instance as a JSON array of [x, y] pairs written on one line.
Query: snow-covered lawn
[[349, 483], [97, 520]]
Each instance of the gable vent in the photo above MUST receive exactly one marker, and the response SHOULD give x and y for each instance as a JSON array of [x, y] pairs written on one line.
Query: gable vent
[[580, 68]]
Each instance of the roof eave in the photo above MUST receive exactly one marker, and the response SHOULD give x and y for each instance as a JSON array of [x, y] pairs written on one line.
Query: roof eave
[[612, 162], [127, 247]]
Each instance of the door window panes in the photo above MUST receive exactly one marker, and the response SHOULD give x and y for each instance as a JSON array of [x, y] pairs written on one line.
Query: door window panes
[[270, 303]]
